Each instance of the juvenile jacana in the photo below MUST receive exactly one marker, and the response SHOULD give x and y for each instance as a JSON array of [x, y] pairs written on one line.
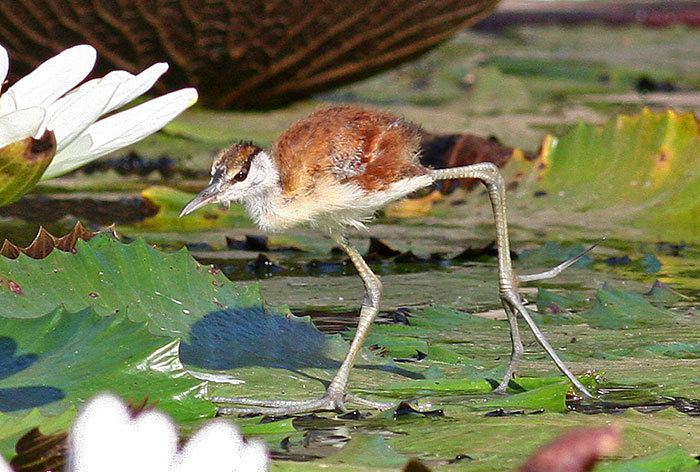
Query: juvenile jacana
[[333, 170]]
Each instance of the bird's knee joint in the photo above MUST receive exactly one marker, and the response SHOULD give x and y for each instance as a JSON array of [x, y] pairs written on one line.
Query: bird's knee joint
[[373, 284]]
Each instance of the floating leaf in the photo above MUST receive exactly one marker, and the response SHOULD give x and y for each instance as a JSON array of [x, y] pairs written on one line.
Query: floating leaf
[[170, 203], [641, 170], [617, 309], [672, 459], [550, 397], [663, 295], [124, 309], [81, 354], [552, 253], [22, 164], [369, 451]]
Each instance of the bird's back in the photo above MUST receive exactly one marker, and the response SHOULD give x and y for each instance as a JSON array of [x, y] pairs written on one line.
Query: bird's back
[[372, 150]]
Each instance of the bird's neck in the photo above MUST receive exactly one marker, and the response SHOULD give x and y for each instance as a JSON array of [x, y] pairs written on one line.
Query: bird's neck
[[264, 200]]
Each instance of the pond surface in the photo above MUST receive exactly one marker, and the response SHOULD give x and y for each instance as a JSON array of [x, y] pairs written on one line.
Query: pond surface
[[441, 335]]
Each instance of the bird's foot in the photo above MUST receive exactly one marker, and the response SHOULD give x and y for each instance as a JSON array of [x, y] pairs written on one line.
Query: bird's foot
[[329, 402], [514, 307]]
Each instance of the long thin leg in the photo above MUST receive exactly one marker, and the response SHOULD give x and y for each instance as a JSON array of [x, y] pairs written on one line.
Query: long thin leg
[[336, 394], [490, 176], [368, 312]]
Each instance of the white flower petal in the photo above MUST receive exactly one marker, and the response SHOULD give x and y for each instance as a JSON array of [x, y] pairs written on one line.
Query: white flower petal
[[20, 124], [104, 419], [216, 447], [131, 86], [50, 80], [119, 130], [152, 443], [69, 116], [254, 457], [4, 466], [4, 65], [106, 438], [134, 86]]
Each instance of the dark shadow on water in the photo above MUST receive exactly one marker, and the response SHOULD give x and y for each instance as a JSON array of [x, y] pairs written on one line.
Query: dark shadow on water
[[9, 363], [22, 398], [234, 338]]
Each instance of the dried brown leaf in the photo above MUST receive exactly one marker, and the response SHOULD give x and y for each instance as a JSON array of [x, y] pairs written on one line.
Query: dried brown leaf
[[454, 150], [37, 452], [576, 451], [45, 242], [415, 465]]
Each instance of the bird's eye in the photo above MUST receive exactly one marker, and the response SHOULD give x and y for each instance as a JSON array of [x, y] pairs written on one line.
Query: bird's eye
[[240, 177]]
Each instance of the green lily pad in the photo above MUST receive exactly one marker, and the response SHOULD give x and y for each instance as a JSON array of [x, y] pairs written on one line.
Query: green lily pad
[[557, 304], [368, 451], [129, 317], [551, 397], [14, 426], [642, 170], [170, 203], [434, 386], [673, 459], [552, 253], [168, 291], [81, 354], [676, 350], [617, 309]]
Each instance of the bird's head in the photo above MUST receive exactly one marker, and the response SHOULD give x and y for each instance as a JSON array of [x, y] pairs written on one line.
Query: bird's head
[[237, 173]]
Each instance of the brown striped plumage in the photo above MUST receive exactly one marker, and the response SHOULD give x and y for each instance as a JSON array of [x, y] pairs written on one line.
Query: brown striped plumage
[[372, 149]]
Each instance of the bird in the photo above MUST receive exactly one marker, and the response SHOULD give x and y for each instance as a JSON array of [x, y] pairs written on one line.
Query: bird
[[333, 170]]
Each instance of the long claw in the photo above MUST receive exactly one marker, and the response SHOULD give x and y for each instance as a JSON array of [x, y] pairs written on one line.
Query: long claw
[[513, 299], [553, 272], [292, 407]]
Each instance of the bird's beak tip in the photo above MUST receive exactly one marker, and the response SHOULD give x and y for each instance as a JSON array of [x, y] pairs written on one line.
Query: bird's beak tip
[[206, 196]]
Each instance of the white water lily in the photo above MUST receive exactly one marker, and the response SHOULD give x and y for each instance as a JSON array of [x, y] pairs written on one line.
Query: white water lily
[[47, 99], [106, 437]]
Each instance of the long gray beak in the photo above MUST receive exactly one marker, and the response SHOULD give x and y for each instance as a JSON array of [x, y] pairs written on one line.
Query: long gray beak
[[205, 197]]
